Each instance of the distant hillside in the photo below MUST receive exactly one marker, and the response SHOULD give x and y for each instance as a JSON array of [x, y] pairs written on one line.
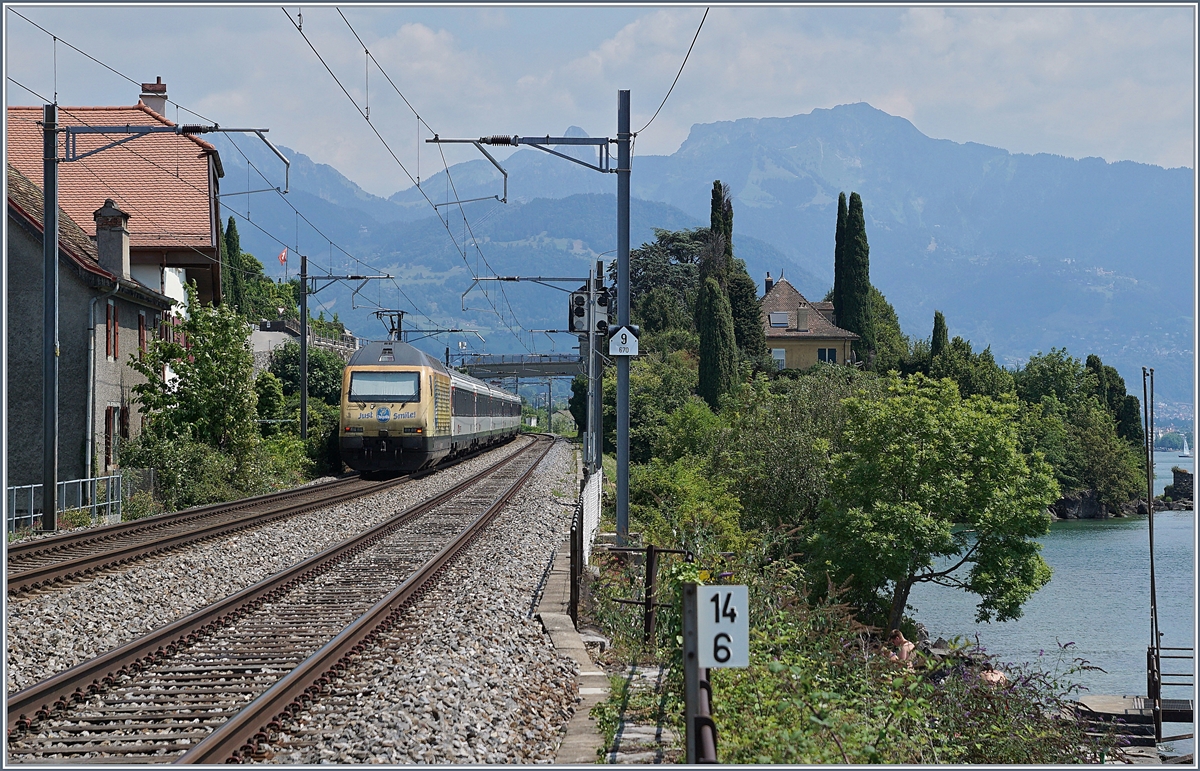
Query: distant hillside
[[1021, 252]]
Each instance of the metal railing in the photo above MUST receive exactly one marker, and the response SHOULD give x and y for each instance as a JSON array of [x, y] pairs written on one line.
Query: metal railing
[[98, 496]]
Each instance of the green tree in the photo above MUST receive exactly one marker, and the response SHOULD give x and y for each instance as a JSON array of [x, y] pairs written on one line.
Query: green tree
[[1098, 459], [892, 344], [1056, 374], [269, 390], [975, 373], [202, 387], [839, 259], [1129, 421], [718, 347], [660, 310], [918, 463], [233, 273], [747, 313], [671, 263], [658, 385], [720, 218], [324, 372], [940, 338], [854, 314]]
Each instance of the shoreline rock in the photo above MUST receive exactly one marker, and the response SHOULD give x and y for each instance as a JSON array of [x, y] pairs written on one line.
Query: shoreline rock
[[1085, 504]]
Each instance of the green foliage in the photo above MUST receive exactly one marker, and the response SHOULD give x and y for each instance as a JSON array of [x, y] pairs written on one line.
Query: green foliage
[[671, 263], [1129, 421], [777, 440], [680, 505], [270, 401], [210, 398], [975, 373], [139, 506], [839, 259], [855, 312], [324, 372], [691, 430], [718, 348], [720, 218], [1056, 374], [1172, 441], [891, 343], [940, 339], [747, 313], [658, 385], [1098, 459], [233, 275], [917, 463], [661, 309]]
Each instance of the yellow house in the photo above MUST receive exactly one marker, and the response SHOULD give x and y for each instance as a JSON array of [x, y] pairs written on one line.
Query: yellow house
[[800, 333]]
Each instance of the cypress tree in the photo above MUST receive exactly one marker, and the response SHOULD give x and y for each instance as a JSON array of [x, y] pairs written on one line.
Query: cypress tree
[[732, 276], [234, 277], [855, 314], [940, 338], [718, 360], [747, 313], [839, 258]]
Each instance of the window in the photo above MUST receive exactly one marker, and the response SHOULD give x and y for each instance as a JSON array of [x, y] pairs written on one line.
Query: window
[[827, 354], [115, 424], [780, 357], [385, 386], [779, 319], [108, 328]]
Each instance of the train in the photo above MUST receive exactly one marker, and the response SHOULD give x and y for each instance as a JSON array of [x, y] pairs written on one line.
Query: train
[[402, 410]]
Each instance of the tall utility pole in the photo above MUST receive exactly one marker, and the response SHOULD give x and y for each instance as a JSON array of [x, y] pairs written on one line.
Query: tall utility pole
[[623, 171], [50, 318], [303, 346]]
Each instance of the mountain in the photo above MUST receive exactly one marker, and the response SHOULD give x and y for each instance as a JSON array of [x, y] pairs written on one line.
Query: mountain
[[1021, 252]]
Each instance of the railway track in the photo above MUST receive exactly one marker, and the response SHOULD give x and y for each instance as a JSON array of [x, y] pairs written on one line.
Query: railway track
[[49, 562], [211, 687]]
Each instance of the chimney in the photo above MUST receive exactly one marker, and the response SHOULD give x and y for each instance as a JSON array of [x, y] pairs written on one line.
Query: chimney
[[769, 283], [112, 239], [154, 96], [802, 318]]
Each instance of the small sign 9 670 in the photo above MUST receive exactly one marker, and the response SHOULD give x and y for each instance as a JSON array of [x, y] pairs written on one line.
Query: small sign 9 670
[[623, 342], [723, 626]]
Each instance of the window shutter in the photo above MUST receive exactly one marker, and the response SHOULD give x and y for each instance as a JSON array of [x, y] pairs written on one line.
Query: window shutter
[[141, 332], [116, 333], [124, 422], [108, 437], [108, 309]]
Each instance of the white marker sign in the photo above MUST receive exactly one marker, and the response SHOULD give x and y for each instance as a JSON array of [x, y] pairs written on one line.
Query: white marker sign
[[623, 343], [723, 626]]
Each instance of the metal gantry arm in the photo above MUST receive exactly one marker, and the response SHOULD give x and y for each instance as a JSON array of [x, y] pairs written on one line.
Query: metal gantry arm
[[604, 165], [72, 132], [487, 155]]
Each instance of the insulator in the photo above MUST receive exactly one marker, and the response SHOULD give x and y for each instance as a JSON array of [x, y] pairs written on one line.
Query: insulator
[[497, 139]]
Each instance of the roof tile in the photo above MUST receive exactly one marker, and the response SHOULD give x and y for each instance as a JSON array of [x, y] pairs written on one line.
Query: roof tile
[[162, 180], [784, 297]]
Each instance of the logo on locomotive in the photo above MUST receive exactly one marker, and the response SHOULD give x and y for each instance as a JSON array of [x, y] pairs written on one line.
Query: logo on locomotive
[[383, 414]]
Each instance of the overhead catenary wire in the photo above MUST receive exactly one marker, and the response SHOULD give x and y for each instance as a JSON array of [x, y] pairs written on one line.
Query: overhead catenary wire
[[449, 179], [681, 66], [445, 165], [152, 221], [245, 218], [444, 220]]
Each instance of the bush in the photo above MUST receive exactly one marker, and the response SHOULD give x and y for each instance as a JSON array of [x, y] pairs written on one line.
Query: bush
[[139, 506]]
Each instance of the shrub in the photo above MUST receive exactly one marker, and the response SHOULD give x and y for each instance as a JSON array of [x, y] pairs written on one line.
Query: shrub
[[139, 506]]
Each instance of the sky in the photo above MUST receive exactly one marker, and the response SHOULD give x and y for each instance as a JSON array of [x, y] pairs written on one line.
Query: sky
[[1114, 82]]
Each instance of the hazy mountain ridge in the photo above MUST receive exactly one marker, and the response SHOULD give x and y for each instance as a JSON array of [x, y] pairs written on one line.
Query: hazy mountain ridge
[[1022, 252]]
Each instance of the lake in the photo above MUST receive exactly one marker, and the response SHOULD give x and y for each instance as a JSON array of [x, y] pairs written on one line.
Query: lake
[[1098, 599]]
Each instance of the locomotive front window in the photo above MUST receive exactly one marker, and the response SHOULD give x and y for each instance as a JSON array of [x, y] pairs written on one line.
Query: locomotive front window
[[385, 386]]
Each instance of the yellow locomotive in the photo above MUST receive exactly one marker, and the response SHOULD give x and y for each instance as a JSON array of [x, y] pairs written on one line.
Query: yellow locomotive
[[403, 410]]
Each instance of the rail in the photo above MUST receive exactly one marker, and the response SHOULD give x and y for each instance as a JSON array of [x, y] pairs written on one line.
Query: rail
[[58, 694], [99, 496]]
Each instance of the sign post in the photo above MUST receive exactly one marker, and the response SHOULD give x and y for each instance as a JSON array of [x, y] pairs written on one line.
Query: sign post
[[623, 342], [716, 633]]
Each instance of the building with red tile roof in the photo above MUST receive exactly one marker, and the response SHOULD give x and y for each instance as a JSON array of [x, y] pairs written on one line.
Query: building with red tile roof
[[166, 182], [800, 333], [105, 317]]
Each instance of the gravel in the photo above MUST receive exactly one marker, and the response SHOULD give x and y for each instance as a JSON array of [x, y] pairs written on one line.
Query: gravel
[[470, 676], [59, 628]]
